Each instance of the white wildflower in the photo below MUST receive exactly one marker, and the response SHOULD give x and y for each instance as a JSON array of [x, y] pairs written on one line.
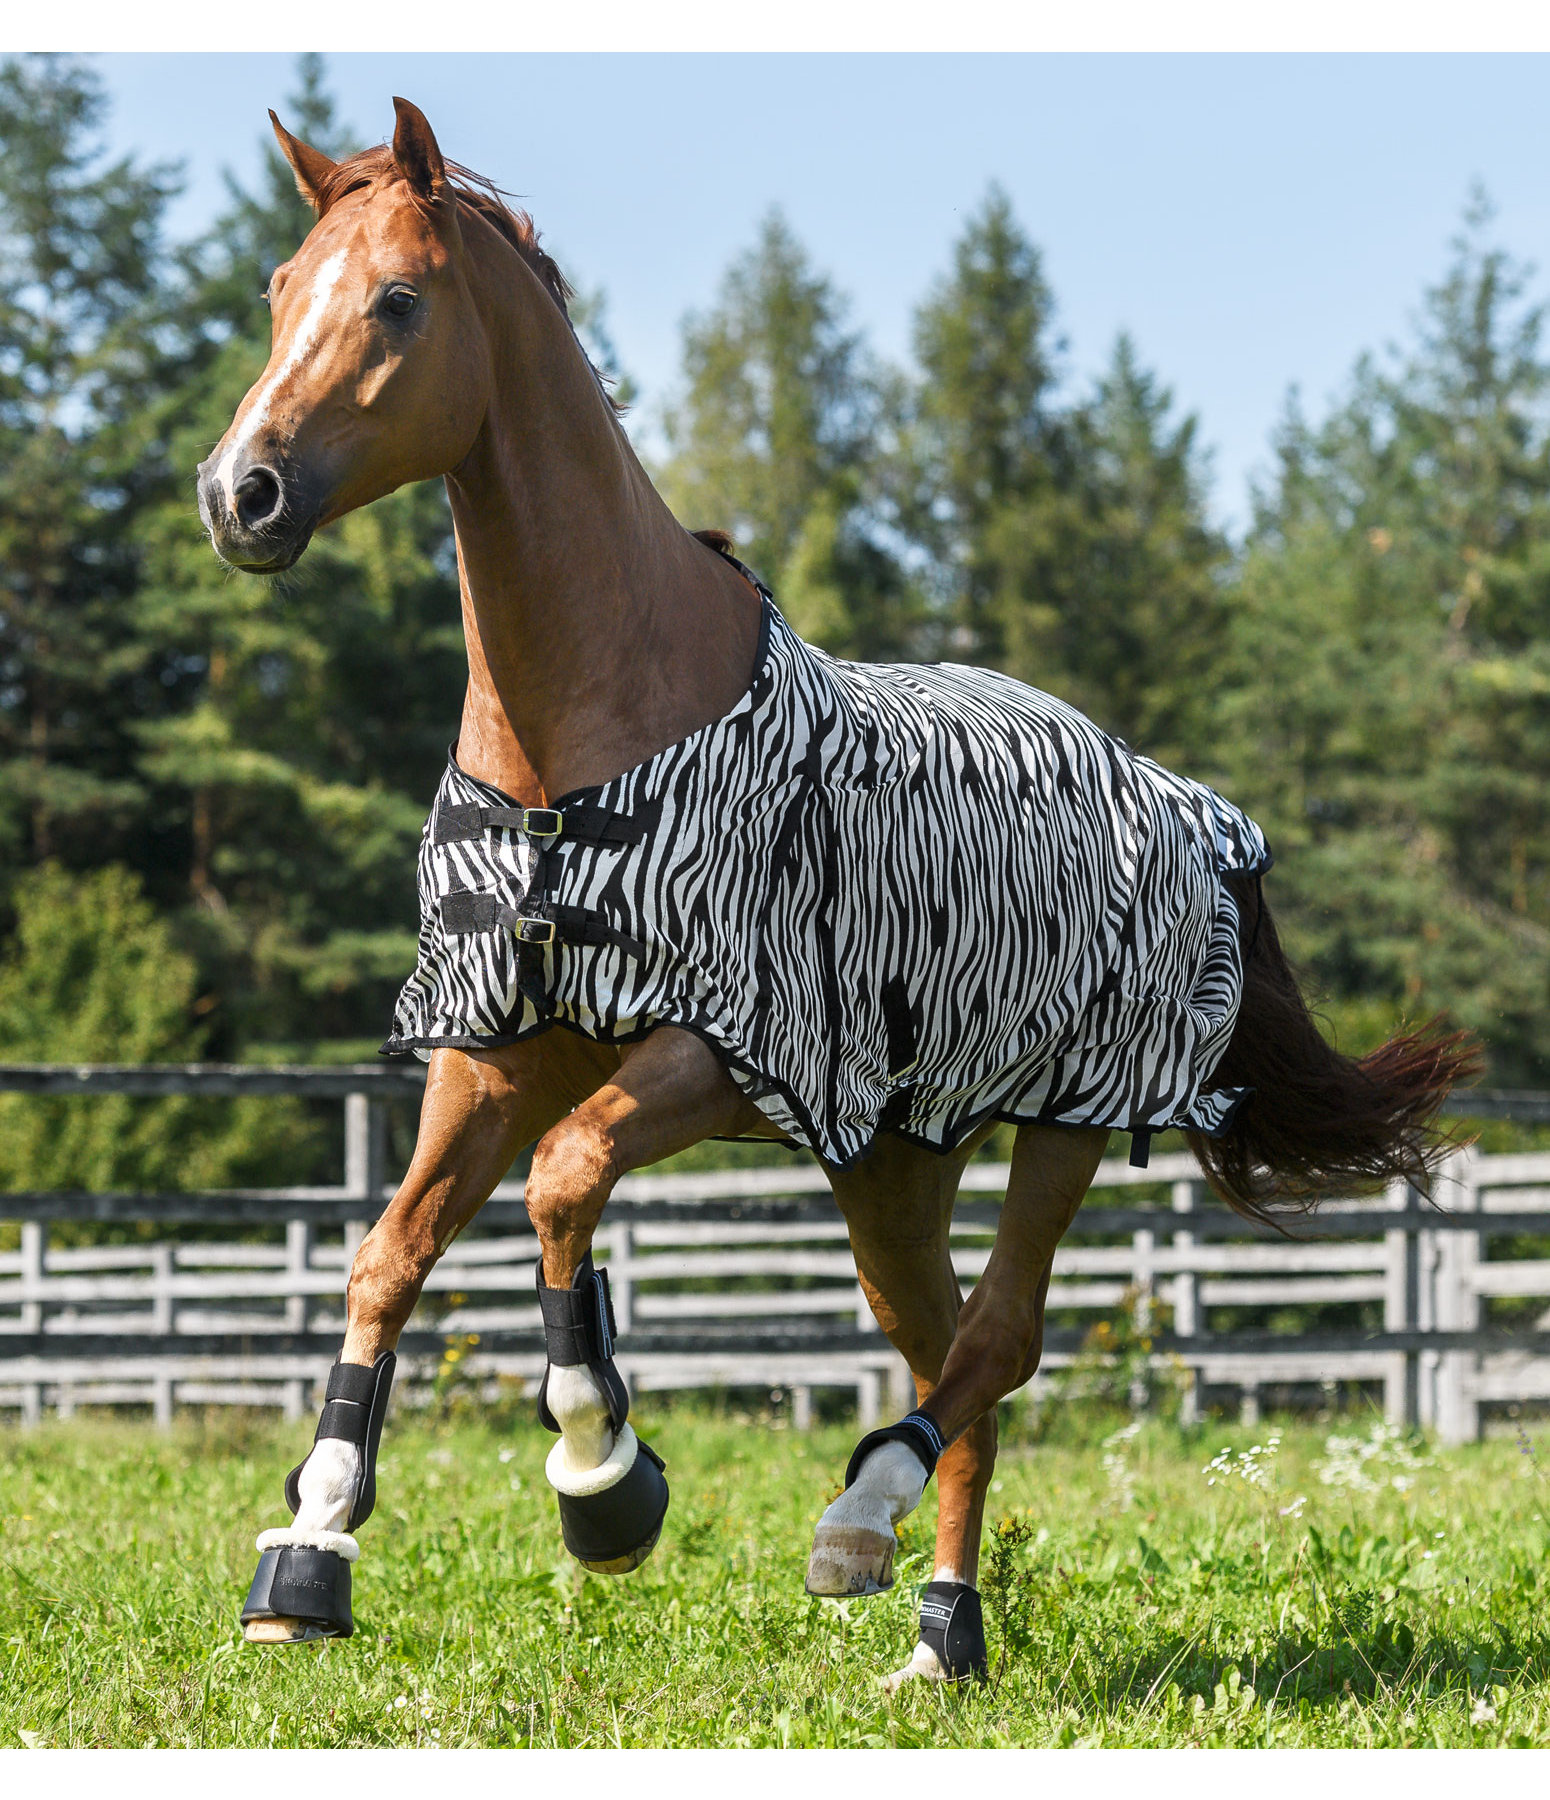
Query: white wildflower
[[1253, 1467], [1484, 1713], [1116, 1464], [1384, 1458]]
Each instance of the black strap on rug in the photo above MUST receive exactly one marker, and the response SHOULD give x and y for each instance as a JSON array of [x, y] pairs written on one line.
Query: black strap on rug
[[952, 1624], [917, 1429], [543, 922], [579, 1332], [354, 1407], [547, 826]]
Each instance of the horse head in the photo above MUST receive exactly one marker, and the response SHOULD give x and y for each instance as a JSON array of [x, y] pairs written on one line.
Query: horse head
[[380, 370]]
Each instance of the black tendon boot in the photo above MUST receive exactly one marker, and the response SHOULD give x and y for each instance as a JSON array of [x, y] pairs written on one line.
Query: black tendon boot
[[306, 1587], [612, 1515], [952, 1625]]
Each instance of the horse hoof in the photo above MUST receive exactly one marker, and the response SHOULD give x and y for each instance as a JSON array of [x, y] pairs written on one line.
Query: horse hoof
[[611, 1516], [622, 1565], [849, 1562], [299, 1594], [283, 1631]]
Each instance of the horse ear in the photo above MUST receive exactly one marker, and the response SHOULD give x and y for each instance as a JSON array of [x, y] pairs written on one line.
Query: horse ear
[[310, 167], [416, 151]]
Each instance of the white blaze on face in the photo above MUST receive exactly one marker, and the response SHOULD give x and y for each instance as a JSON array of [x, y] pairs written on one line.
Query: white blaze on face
[[301, 342]]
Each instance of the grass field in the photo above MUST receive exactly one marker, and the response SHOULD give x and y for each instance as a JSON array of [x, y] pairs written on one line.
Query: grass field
[[1140, 1599]]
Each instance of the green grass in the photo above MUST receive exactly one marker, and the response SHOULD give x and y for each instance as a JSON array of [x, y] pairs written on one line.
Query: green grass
[[1138, 1604]]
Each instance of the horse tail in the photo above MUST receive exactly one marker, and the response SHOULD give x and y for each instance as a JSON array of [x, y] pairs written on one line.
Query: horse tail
[[1315, 1121]]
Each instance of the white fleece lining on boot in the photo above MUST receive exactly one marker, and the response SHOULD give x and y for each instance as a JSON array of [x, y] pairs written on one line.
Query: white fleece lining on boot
[[577, 1482], [287, 1537]]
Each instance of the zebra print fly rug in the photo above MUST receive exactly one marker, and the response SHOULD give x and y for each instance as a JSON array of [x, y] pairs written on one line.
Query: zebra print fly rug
[[889, 897]]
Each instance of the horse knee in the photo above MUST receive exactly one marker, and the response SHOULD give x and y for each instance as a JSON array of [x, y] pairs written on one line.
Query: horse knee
[[573, 1172]]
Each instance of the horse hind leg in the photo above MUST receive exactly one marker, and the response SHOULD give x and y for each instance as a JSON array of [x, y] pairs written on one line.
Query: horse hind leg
[[479, 1111], [994, 1348], [898, 1207]]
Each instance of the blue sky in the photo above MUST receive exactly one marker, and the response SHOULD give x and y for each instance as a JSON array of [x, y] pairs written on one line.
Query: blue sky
[[1253, 221]]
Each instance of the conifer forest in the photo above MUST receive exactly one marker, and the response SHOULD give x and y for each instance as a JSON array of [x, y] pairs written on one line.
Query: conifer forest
[[212, 787]]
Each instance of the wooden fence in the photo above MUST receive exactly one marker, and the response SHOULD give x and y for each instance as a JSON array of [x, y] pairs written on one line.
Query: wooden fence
[[744, 1280]]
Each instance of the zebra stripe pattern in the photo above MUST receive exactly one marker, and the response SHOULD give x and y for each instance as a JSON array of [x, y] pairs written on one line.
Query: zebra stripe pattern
[[897, 897]]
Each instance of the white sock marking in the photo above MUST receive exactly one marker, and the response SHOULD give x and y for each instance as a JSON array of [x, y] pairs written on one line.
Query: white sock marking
[[581, 1411], [889, 1486], [301, 343], [330, 1482], [923, 1665]]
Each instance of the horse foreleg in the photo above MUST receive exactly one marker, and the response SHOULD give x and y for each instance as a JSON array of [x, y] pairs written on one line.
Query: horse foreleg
[[898, 1207], [669, 1093], [478, 1113]]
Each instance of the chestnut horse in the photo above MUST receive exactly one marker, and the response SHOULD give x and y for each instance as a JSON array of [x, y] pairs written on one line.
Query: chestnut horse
[[418, 332]]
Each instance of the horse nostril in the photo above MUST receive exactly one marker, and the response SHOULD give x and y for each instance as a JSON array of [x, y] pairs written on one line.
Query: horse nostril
[[259, 498]]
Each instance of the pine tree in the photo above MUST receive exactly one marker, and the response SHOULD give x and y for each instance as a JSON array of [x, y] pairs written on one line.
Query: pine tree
[[985, 442], [1392, 684], [776, 439], [84, 345], [1069, 542]]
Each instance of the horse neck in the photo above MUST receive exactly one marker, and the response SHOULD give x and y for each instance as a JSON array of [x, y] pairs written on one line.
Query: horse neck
[[598, 630]]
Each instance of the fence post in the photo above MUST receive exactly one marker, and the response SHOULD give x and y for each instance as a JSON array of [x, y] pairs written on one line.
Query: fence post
[[1400, 1385], [1186, 1301], [298, 1259], [869, 1398], [365, 1149], [1458, 1307], [901, 1385], [1144, 1243], [34, 1247], [621, 1273], [162, 1322]]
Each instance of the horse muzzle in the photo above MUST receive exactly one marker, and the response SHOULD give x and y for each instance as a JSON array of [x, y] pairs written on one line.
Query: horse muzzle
[[260, 516]]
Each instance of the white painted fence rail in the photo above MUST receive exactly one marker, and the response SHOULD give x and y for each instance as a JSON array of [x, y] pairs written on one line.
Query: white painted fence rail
[[745, 1280]]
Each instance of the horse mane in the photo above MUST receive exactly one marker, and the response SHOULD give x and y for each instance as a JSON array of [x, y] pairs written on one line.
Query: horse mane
[[480, 195]]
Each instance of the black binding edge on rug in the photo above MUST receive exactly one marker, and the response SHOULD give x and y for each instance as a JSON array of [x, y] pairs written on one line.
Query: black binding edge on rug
[[354, 1406], [579, 1332], [299, 1581], [917, 1429], [952, 1625]]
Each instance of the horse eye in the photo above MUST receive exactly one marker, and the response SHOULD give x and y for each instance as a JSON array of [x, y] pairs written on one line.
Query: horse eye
[[400, 302]]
